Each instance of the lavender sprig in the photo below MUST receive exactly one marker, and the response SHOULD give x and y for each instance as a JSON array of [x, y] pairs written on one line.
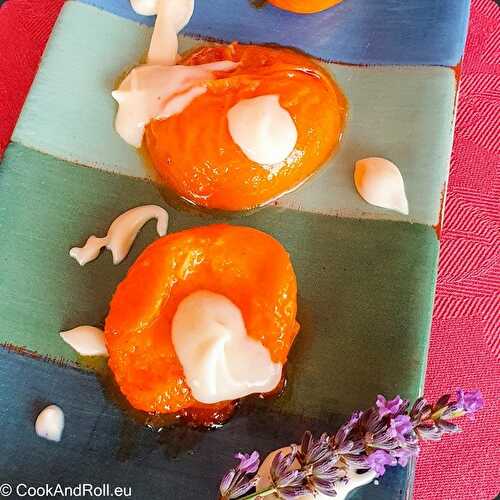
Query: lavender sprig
[[385, 435], [241, 479]]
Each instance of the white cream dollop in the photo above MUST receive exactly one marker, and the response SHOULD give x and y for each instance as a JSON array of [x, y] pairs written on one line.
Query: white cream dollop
[[355, 480], [380, 183], [160, 89], [86, 340], [180, 102], [171, 17], [50, 423], [144, 7], [121, 234], [263, 129], [220, 361], [156, 91], [180, 10]]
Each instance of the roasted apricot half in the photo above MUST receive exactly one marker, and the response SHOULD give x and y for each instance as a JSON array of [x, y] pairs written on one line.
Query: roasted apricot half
[[195, 154], [304, 6], [247, 266]]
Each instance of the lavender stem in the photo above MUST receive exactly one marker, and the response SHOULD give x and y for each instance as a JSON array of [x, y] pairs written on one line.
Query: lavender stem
[[263, 493]]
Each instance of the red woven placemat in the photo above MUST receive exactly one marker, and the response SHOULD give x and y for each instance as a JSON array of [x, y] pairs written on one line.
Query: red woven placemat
[[465, 341]]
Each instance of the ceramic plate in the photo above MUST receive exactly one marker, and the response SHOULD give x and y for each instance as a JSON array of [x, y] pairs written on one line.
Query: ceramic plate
[[366, 275]]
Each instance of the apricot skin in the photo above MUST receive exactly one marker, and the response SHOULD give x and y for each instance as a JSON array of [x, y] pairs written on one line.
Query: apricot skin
[[246, 265], [195, 155], [304, 6]]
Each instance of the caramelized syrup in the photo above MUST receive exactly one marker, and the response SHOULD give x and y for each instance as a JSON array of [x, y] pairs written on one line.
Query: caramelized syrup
[[199, 418]]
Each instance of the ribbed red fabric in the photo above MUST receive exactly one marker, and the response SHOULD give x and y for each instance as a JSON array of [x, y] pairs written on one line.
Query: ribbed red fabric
[[465, 339], [25, 26]]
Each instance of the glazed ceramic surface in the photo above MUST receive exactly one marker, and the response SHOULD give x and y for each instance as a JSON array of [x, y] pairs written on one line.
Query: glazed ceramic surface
[[366, 275]]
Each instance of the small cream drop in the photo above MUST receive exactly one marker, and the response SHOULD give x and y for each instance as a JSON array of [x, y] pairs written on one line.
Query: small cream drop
[[264, 131], [181, 10], [144, 7], [86, 340], [355, 480], [50, 423], [220, 361], [121, 234], [380, 183]]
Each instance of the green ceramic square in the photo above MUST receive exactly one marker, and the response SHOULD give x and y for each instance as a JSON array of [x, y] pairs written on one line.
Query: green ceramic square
[[365, 286]]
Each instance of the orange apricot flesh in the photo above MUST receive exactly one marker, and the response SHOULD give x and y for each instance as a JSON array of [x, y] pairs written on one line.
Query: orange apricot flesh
[[195, 155], [248, 266], [304, 6]]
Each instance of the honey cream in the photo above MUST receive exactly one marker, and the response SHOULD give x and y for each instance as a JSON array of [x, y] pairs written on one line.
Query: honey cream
[[220, 361]]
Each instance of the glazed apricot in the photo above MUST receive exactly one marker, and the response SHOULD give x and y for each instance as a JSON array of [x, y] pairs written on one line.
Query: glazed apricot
[[247, 266], [304, 6], [195, 154]]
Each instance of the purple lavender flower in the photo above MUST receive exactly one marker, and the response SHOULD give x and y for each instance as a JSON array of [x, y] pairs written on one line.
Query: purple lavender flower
[[343, 441], [400, 427], [312, 450], [292, 492], [234, 484], [448, 427], [442, 402], [469, 401], [242, 488], [226, 483], [282, 464], [377, 461], [384, 435], [375, 432], [403, 455], [421, 410], [239, 480], [355, 417], [391, 407], [429, 432], [325, 477], [248, 463], [288, 480], [324, 487], [355, 461]]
